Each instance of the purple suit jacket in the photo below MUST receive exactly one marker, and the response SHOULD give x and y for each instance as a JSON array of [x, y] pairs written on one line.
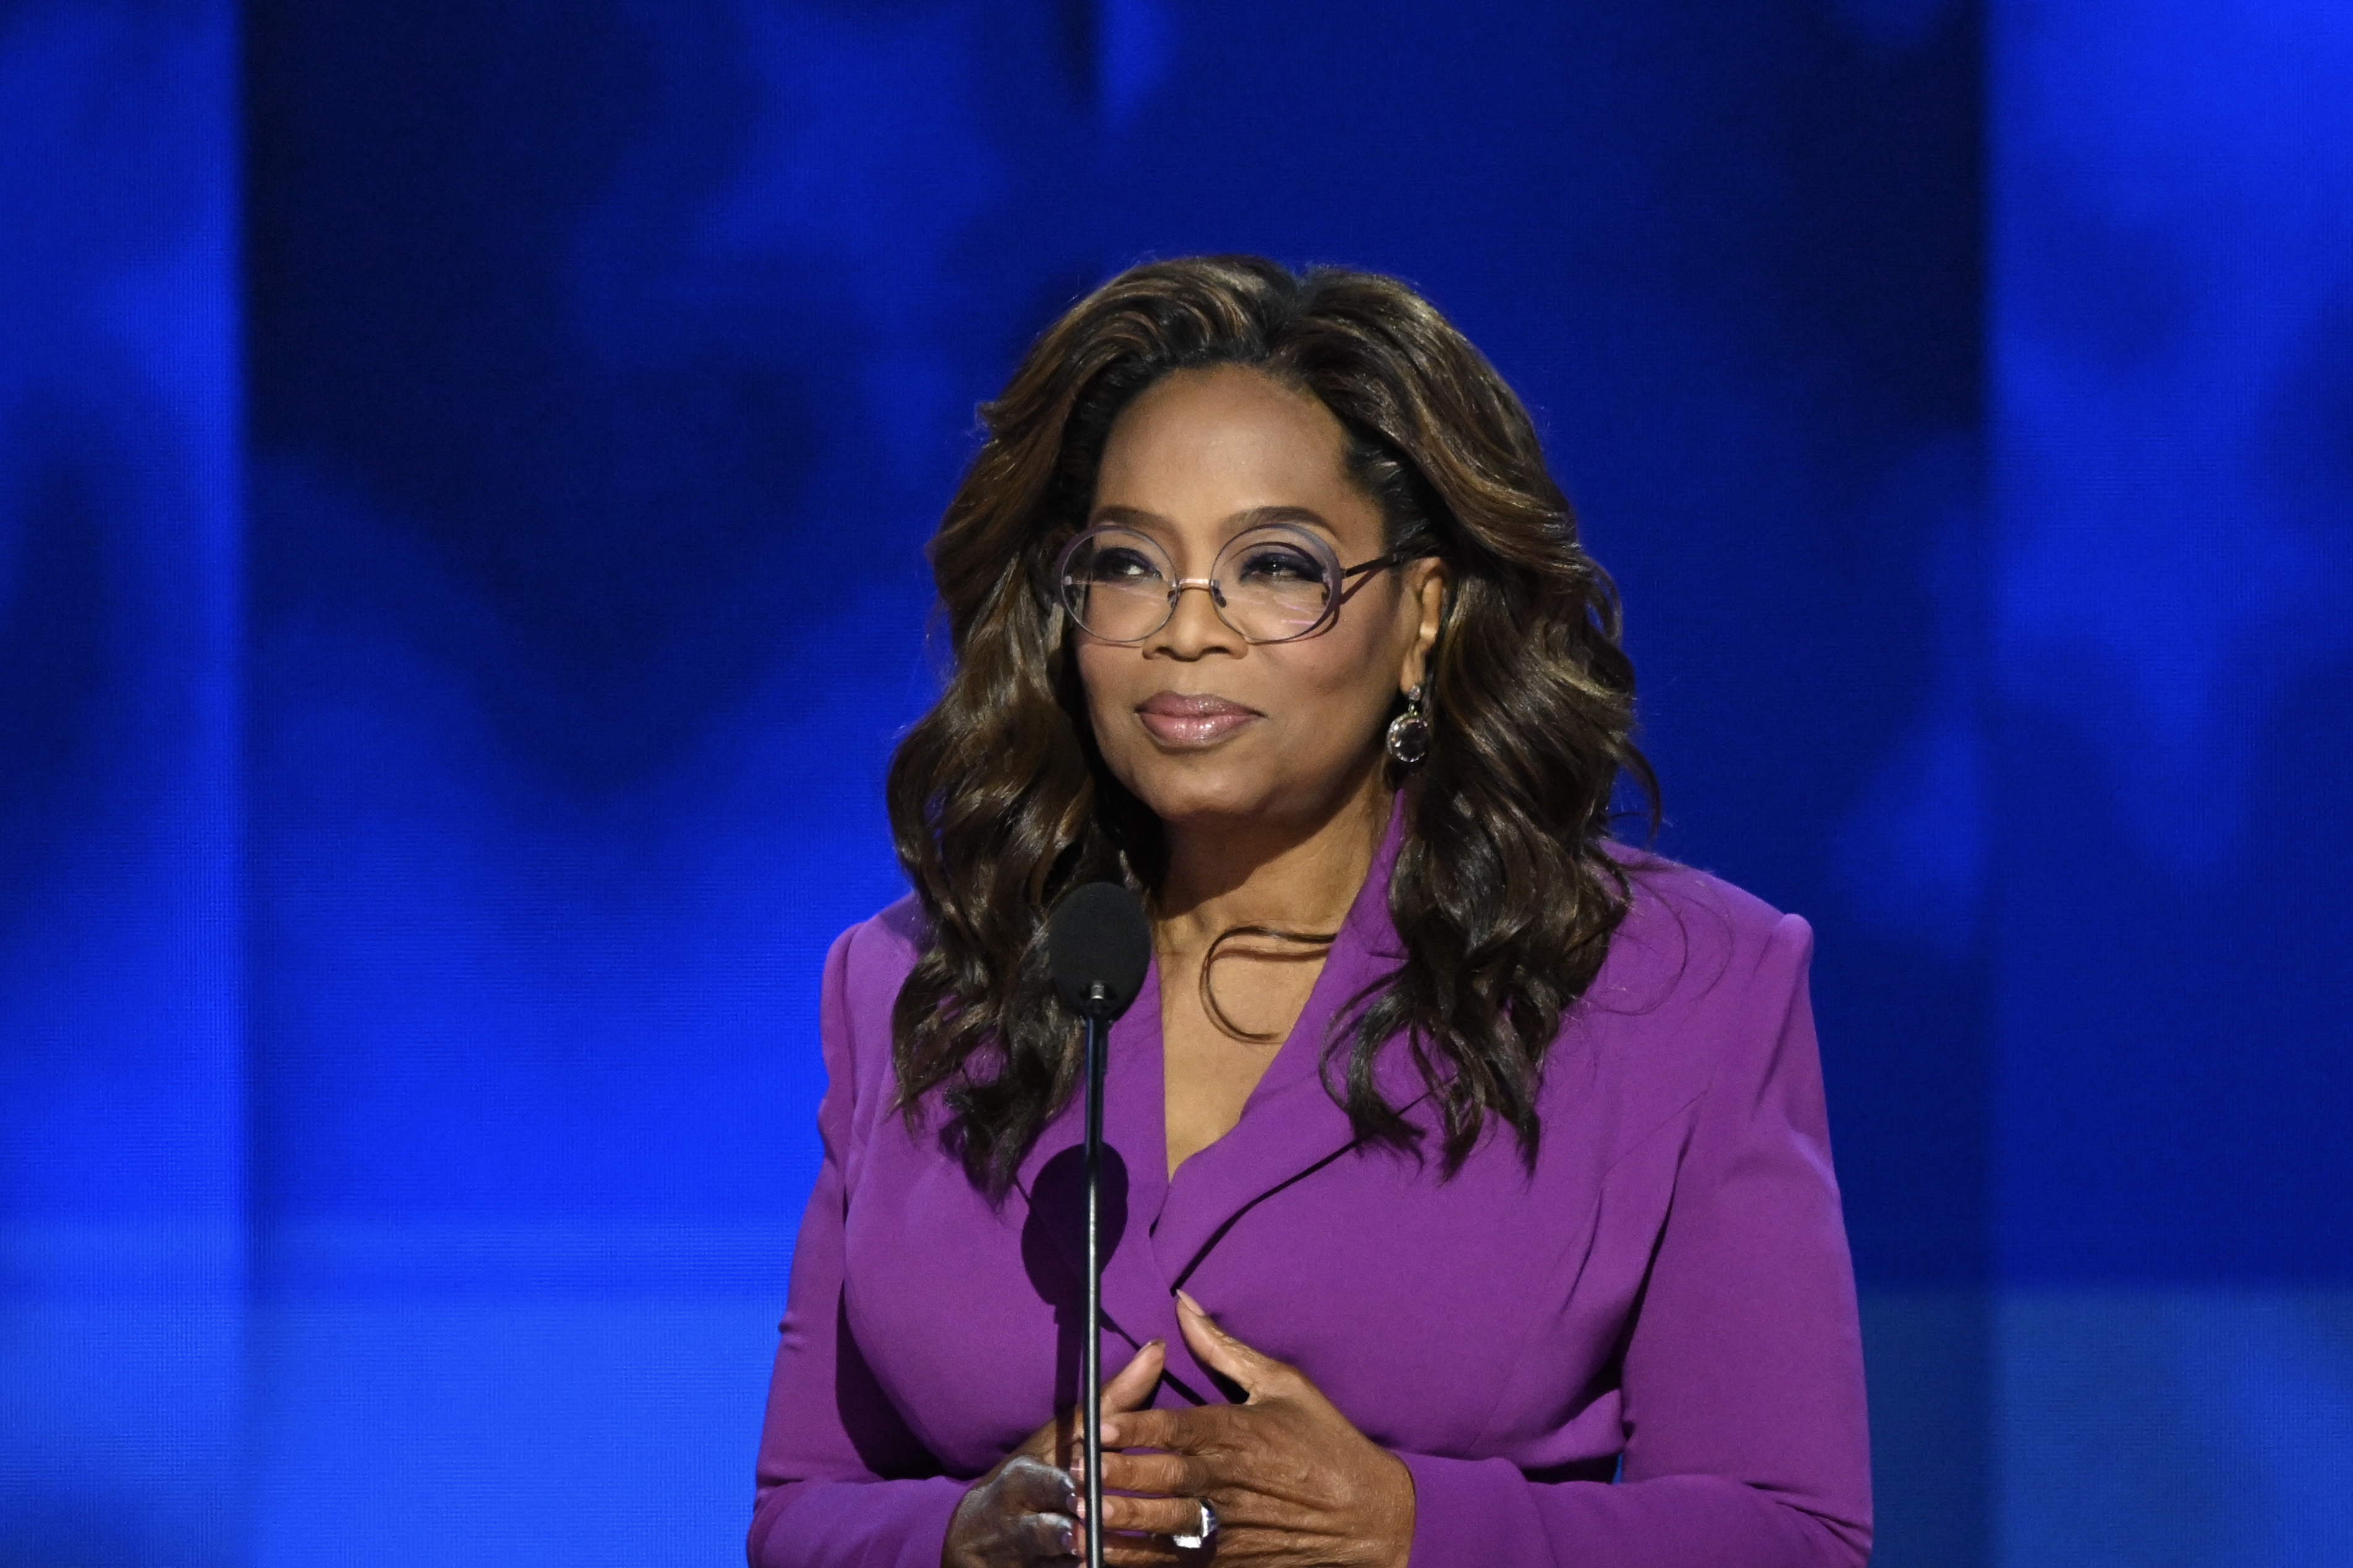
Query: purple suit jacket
[[1643, 1352]]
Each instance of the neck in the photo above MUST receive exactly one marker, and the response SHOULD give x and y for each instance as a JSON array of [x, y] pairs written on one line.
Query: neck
[[1296, 876]]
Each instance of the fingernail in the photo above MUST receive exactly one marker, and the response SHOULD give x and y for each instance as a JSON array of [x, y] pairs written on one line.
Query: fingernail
[[1189, 1302]]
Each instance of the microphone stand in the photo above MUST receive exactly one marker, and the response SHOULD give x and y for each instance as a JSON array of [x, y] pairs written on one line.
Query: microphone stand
[[1091, 1330]]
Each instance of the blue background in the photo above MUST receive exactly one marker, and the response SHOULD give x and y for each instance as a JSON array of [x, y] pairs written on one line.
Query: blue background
[[462, 471]]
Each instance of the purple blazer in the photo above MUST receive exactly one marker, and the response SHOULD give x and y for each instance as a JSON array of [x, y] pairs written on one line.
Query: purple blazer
[[1643, 1352]]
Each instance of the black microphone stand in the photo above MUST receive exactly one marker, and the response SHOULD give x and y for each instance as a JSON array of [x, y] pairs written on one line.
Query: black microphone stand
[[1098, 947], [1091, 1330]]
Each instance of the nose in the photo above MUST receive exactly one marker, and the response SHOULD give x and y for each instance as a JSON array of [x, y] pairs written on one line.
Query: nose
[[1194, 625]]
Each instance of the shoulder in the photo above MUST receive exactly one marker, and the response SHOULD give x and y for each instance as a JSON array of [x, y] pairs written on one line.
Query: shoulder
[[873, 957], [1687, 932], [1700, 975], [863, 971]]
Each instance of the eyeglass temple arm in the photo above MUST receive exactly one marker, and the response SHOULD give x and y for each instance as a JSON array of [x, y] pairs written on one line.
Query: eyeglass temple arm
[[1397, 557]]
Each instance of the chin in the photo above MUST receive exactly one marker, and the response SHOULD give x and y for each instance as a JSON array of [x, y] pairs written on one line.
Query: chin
[[1199, 806], [1189, 795]]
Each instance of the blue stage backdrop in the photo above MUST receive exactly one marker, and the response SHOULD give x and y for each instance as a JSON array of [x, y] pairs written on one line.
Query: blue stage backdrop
[[462, 474]]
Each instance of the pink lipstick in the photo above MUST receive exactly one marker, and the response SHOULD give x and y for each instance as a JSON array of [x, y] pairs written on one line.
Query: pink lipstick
[[1176, 719]]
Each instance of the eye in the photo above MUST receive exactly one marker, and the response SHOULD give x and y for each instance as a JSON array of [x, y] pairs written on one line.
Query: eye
[[1119, 565], [1279, 566]]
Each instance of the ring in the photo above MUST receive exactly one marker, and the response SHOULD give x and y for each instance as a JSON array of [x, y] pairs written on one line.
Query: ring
[[1202, 1536]]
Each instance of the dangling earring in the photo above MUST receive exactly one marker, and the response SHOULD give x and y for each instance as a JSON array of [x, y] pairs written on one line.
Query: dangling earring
[[1410, 730]]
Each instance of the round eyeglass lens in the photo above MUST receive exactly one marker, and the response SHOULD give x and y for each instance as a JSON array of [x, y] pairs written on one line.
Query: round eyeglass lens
[[1275, 584], [1116, 583], [1270, 584]]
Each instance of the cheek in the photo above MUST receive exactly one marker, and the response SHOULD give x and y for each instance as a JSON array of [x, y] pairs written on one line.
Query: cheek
[[1114, 681], [1101, 672], [1351, 666], [1327, 696]]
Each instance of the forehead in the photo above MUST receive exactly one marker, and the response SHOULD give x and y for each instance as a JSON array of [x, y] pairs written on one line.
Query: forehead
[[1198, 448]]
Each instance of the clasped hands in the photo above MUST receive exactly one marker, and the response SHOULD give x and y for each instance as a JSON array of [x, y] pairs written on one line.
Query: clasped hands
[[1293, 1482]]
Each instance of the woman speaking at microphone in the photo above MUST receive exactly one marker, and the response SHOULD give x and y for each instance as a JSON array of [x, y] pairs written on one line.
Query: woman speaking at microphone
[[1468, 1198]]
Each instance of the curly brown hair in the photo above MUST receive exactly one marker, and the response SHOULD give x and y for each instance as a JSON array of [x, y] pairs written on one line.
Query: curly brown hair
[[1503, 892]]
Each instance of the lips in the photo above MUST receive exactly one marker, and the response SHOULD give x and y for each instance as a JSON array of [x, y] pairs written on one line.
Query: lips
[[1176, 719]]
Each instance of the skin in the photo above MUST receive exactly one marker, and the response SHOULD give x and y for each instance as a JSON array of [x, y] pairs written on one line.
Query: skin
[[1026, 1510], [1271, 820], [1273, 805]]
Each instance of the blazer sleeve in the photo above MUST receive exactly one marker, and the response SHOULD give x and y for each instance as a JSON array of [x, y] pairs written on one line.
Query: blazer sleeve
[[1746, 1443], [841, 1480]]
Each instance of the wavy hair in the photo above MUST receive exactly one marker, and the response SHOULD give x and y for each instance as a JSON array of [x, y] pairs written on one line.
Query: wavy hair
[[1503, 892]]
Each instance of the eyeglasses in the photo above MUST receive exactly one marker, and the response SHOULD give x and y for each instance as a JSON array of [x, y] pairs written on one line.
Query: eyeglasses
[[1275, 583]]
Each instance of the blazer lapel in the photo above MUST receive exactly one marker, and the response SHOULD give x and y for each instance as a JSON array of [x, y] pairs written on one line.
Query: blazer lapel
[[1291, 1125], [1138, 1304]]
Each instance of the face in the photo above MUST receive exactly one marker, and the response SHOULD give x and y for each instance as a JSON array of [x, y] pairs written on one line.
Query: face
[[1202, 725]]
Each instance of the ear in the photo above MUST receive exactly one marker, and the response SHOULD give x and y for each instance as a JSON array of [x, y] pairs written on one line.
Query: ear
[[1426, 581]]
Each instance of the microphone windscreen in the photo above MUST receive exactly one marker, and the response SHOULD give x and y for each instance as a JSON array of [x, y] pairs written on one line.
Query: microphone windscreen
[[1099, 936]]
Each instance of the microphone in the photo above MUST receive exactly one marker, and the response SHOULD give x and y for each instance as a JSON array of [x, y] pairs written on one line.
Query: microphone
[[1098, 945]]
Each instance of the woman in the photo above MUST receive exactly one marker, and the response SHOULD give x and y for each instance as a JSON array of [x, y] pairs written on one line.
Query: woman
[[1469, 1198]]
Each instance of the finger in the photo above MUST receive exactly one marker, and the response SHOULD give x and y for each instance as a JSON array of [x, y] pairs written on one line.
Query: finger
[[1146, 1551], [1183, 1431], [1221, 1351], [1032, 1486], [1157, 1515], [1157, 1475], [1045, 1535], [1132, 1386], [1135, 1381]]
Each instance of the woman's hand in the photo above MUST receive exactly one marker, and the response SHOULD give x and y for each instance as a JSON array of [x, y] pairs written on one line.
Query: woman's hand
[[1293, 1482], [1025, 1511]]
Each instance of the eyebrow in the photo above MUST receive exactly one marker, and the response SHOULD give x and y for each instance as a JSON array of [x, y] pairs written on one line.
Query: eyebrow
[[1239, 523]]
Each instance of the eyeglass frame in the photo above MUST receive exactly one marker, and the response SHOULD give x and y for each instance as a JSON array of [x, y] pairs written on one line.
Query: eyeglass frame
[[1177, 585]]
